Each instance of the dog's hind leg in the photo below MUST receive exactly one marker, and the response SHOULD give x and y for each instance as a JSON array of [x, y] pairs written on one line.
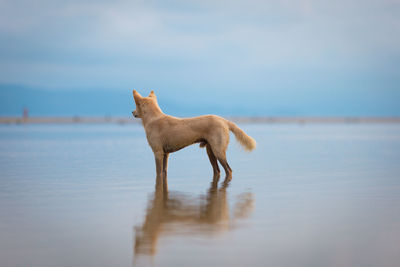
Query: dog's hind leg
[[213, 161], [225, 165], [221, 156], [219, 143]]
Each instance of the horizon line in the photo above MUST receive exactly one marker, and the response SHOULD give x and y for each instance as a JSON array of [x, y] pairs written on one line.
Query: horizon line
[[237, 119]]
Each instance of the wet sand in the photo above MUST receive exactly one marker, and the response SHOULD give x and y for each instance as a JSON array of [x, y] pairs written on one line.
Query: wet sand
[[309, 195]]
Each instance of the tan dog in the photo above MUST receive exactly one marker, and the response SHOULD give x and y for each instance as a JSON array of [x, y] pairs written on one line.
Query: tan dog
[[167, 134]]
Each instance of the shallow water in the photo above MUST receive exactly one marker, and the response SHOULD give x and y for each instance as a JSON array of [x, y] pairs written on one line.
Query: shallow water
[[309, 195]]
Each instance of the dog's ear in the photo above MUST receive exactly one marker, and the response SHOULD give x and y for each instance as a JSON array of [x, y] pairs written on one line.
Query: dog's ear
[[152, 94], [136, 96]]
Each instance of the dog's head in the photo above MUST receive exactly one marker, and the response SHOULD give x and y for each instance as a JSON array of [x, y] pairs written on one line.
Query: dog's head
[[144, 104]]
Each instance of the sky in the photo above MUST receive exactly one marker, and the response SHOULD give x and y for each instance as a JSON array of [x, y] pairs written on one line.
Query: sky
[[260, 58]]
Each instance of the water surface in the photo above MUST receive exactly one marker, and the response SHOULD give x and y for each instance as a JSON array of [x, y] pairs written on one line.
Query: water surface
[[309, 195]]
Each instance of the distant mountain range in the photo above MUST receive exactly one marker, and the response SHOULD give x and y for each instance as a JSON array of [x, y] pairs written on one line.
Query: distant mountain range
[[15, 98], [93, 102], [96, 102]]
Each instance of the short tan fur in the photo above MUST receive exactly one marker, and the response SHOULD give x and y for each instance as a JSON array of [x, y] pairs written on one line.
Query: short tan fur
[[167, 134]]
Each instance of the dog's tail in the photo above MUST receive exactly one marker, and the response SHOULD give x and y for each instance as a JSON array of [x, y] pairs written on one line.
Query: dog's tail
[[246, 141]]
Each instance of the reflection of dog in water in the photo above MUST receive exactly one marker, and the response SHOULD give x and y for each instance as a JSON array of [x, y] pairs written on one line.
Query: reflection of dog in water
[[174, 213], [167, 134]]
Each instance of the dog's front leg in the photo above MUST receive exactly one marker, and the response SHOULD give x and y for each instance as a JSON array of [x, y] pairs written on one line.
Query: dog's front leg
[[159, 156], [165, 165]]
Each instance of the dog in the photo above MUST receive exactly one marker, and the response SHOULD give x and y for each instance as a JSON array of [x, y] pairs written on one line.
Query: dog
[[166, 134]]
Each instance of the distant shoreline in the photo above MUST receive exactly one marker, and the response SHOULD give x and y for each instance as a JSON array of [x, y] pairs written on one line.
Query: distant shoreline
[[129, 120]]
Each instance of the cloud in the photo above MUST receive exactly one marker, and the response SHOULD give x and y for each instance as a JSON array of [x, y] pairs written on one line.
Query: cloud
[[73, 43]]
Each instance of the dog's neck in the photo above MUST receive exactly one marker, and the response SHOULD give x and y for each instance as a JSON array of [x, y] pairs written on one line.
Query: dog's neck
[[152, 114]]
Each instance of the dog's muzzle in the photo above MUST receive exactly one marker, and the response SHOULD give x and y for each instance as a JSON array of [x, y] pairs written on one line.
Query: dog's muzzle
[[134, 114]]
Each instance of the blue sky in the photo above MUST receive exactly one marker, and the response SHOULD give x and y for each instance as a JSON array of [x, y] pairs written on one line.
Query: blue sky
[[257, 57]]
